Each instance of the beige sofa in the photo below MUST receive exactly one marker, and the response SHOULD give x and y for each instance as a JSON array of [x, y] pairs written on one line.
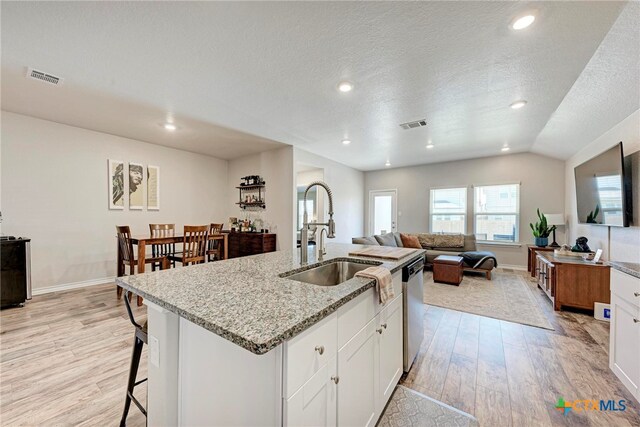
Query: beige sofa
[[393, 239]]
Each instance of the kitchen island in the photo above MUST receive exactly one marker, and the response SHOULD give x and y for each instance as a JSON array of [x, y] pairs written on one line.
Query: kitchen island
[[237, 343]]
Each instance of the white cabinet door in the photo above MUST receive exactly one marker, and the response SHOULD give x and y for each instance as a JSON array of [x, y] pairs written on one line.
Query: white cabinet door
[[625, 343], [358, 370], [314, 404], [390, 343]]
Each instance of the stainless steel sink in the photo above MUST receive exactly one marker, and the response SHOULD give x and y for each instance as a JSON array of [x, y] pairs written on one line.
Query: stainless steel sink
[[330, 274]]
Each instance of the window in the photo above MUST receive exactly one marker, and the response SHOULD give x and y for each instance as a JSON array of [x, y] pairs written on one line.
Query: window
[[448, 210], [496, 212]]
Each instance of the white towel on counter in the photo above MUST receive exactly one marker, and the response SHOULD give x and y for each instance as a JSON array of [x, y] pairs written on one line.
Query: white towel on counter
[[384, 282]]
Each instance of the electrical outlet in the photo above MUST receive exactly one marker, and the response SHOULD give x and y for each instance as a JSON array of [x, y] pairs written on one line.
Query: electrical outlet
[[154, 351]]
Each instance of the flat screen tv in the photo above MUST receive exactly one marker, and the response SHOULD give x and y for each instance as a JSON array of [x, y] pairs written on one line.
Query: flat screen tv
[[603, 189]]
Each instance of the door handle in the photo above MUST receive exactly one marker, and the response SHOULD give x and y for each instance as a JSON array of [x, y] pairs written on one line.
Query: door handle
[[335, 379]]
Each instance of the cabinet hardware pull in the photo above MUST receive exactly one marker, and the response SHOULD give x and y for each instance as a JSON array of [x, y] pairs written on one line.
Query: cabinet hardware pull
[[320, 349], [335, 379], [636, 294], [636, 320], [384, 325], [379, 331]]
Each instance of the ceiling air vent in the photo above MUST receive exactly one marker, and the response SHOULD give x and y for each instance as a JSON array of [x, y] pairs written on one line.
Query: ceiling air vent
[[412, 125], [44, 77]]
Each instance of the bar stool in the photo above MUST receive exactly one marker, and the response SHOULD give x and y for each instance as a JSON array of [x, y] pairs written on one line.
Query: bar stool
[[214, 252], [140, 338]]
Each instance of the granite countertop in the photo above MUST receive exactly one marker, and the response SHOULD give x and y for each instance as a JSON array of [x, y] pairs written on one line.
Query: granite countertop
[[631, 268], [245, 301]]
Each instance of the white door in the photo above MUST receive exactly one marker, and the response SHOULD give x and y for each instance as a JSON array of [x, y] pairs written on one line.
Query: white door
[[382, 211], [315, 403], [358, 372], [390, 338]]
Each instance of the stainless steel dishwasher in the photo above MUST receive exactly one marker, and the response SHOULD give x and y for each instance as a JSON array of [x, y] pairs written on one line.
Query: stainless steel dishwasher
[[413, 310]]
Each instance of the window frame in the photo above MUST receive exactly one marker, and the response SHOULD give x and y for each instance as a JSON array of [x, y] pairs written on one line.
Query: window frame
[[516, 240], [464, 213]]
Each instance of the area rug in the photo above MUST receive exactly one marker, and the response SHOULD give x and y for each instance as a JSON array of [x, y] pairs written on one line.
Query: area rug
[[408, 408], [506, 297]]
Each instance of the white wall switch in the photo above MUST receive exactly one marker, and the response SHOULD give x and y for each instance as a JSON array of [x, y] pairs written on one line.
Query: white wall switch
[[154, 351]]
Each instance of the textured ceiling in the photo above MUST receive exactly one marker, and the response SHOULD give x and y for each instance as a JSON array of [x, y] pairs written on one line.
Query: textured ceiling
[[607, 91], [271, 70]]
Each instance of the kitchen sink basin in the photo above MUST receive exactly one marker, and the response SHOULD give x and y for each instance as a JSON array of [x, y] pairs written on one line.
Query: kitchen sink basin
[[330, 274]]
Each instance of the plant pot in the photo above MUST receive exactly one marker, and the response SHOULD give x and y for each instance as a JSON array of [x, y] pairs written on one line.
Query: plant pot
[[541, 241]]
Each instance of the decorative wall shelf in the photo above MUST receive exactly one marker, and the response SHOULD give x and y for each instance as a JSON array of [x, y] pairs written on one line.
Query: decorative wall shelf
[[252, 196]]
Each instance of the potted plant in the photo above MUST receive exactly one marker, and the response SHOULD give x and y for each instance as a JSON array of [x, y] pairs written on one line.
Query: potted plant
[[541, 230]]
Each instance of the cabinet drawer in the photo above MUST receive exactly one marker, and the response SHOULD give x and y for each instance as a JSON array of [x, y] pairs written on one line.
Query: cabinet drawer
[[306, 353], [626, 287], [355, 314]]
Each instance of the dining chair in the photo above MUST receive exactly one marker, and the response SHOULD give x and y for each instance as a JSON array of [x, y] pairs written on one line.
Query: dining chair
[[128, 257], [162, 249], [194, 245], [214, 251]]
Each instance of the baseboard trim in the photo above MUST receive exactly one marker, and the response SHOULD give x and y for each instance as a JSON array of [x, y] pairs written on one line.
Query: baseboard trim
[[74, 285], [513, 267]]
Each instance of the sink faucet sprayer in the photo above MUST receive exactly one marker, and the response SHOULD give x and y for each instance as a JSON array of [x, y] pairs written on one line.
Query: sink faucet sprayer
[[331, 225]]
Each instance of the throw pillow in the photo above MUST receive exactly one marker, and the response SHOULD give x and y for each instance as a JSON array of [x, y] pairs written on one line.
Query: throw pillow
[[386, 240], [396, 235], [364, 241], [409, 241]]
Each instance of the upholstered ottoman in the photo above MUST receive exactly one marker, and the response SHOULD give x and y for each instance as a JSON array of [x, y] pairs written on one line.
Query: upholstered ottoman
[[448, 269]]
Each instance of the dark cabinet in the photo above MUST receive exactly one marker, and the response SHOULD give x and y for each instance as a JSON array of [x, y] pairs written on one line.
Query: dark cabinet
[[15, 271], [245, 244]]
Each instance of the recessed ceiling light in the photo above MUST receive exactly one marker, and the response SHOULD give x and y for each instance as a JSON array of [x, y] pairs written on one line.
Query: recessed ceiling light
[[388, 163], [523, 22], [505, 148], [518, 104], [346, 141], [345, 87], [170, 126], [429, 145]]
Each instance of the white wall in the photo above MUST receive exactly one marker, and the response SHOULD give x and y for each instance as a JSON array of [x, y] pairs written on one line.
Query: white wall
[[55, 191], [619, 244], [276, 167], [542, 186], [347, 186]]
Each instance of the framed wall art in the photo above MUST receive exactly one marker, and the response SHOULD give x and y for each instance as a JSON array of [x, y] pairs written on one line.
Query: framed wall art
[[153, 188], [116, 184], [136, 186]]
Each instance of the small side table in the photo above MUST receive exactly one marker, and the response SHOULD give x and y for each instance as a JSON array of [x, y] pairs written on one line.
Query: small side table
[[448, 269], [531, 257]]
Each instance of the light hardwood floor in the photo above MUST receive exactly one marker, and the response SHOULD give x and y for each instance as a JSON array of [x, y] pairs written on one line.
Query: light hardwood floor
[[65, 359], [508, 374]]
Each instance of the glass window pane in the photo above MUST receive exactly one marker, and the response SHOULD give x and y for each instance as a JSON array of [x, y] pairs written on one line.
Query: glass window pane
[[497, 199], [496, 227], [447, 223], [382, 214], [449, 200]]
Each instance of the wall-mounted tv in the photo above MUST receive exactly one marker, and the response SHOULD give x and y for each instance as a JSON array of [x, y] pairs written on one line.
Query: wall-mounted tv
[[603, 189]]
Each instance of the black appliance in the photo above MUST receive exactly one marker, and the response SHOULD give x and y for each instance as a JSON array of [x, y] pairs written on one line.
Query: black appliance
[[15, 278]]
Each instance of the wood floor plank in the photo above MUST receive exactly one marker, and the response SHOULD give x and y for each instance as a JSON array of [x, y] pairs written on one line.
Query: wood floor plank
[[459, 388], [492, 407]]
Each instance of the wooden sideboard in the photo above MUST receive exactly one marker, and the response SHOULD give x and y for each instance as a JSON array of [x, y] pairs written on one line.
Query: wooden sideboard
[[531, 260], [245, 244], [572, 282]]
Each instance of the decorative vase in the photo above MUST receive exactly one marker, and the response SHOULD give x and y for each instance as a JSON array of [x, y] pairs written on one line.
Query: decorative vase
[[541, 241]]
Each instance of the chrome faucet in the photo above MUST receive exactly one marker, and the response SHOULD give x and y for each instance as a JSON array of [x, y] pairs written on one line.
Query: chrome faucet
[[331, 225]]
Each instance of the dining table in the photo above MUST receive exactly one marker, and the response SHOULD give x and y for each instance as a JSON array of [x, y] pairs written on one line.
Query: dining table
[[142, 242]]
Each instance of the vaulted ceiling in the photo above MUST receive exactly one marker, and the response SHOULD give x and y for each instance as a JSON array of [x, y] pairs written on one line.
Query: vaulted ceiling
[[244, 77]]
